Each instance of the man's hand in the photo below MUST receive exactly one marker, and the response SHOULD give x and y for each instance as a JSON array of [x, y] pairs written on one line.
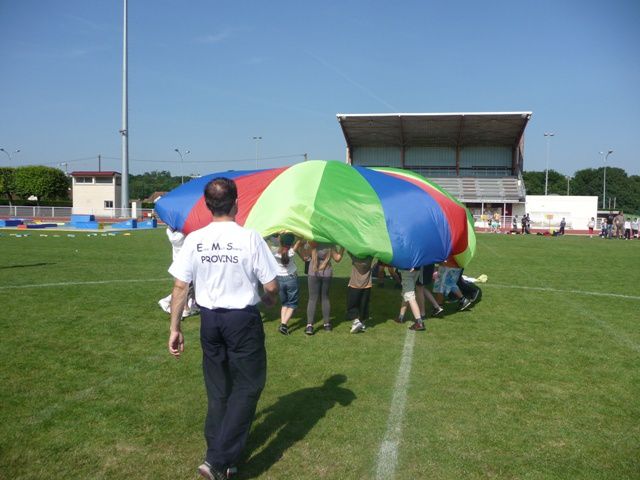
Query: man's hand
[[268, 300], [176, 343], [270, 292]]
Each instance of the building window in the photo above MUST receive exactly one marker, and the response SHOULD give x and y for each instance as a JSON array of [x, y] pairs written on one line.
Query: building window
[[104, 180], [108, 204], [84, 179]]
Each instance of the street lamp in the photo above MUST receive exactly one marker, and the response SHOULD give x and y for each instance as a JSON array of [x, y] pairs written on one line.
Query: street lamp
[[177, 150], [8, 154], [257, 139], [548, 136], [568, 180], [66, 169], [604, 179]]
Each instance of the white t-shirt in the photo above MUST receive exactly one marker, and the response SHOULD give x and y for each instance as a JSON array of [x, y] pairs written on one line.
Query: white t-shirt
[[226, 262], [288, 269]]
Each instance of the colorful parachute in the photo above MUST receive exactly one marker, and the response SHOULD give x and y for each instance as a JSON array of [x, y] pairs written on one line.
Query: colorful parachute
[[395, 215]]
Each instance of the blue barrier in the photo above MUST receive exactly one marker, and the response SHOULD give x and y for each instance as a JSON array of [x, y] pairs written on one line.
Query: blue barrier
[[133, 223], [82, 218], [42, 225], [83, 225], [153, 223], [14, 222]]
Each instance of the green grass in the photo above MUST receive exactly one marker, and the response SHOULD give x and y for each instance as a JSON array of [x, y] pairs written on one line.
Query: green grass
[[539, 380]]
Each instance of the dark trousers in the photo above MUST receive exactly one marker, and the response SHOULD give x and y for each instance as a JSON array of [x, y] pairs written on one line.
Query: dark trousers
[[358, 303], [234, 363]]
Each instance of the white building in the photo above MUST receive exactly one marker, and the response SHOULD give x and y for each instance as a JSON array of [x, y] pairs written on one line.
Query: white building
[[548, 211], [96, 193]]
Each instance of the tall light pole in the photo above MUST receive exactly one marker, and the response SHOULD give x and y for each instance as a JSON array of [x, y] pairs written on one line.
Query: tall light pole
[[548, 136], [66, 167], [177, 150], [604, 179], [257, 139], [124, 131], [8, 154], [568, 180]]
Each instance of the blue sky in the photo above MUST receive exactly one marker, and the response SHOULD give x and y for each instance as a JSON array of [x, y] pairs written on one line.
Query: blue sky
[[207, 76]]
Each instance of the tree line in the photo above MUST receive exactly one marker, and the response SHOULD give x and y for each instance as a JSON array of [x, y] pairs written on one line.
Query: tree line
[[622, 190], [47, 183], [52, 184]]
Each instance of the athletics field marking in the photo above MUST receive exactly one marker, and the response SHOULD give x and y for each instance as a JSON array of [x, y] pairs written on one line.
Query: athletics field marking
[[557, 290], [388, 452], [90, 282]]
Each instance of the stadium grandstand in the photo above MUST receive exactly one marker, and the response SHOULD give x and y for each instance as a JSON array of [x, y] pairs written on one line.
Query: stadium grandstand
[[477, 157]]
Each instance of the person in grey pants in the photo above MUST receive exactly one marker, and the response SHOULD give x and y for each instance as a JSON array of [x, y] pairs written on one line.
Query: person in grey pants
[[319, 278]]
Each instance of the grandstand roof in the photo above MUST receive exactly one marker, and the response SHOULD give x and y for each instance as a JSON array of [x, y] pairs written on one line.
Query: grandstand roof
[[434, 129]]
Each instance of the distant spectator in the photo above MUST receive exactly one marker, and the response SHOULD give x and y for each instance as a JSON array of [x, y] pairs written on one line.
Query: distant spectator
[[609, 225], [603, 228], [591, 225], [563, 224], [634, 228], [514, 224], [524, 224], [627, 229]]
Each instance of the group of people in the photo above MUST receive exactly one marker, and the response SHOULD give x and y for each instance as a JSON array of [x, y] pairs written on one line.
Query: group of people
[[616, 226], [222, 265], [318, 260], [522, 225]]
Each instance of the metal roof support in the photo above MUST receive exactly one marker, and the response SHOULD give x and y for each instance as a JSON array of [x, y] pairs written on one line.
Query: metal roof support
[[458, 142], [348, 140], [402, 143]]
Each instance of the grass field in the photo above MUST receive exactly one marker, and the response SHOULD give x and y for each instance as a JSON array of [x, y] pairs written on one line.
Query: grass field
[[539, 380]]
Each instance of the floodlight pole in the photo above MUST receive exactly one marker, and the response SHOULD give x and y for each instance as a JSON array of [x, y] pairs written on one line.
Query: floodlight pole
[[177, 150], [604, 179], [124, 131], [8, 154], [257, 139], [548, 136]]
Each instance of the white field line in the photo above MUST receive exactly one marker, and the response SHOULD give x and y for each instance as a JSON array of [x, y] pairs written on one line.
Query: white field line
[[91, 282], [388, 453], [557, 290]]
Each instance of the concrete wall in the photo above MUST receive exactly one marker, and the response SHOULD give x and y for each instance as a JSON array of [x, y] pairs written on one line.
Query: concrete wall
[[577, 210]]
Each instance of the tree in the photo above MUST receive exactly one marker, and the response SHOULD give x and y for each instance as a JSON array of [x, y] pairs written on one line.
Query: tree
[[622, 190], [7, 183], [43, 182], [142, 186], [534, 183]]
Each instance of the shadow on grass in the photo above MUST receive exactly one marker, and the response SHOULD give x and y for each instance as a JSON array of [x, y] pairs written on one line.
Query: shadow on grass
[[41, 264], [292, 416]]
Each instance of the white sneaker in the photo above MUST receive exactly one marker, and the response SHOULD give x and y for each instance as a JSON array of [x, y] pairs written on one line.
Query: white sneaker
[[357, 326], [165, 305]]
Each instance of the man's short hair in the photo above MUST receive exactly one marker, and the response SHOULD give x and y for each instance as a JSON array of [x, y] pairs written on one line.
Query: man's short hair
[[220, 195]]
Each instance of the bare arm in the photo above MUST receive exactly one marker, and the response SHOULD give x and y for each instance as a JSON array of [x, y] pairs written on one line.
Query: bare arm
[[178, 301]]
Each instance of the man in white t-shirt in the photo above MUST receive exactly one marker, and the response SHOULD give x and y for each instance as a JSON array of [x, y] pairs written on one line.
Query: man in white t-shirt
[[226, 264]]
